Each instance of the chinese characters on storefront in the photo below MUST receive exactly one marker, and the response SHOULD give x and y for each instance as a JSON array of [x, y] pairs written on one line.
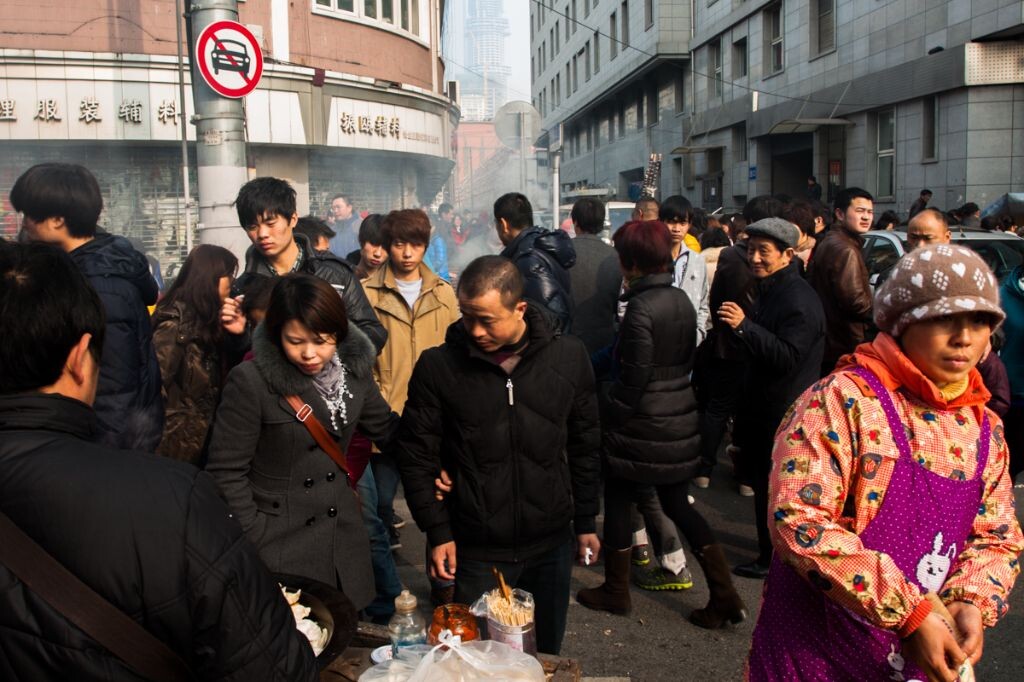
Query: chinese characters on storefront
[[130, 111], [380, 126]]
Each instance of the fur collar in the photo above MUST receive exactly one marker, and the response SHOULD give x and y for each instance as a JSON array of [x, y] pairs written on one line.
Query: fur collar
[[356, 353]]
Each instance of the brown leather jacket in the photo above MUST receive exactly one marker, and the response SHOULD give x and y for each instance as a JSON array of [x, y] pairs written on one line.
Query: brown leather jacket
[[192, 377], [840, 277]]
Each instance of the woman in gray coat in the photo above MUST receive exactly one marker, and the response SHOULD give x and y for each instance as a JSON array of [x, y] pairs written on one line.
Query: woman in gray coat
[[291, 498]]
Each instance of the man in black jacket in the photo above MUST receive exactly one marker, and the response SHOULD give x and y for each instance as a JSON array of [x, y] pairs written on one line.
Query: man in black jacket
[[542, 256], [61, 204], [784, 336], [148, 534], [507, 407], [266, 209], [596, 278]]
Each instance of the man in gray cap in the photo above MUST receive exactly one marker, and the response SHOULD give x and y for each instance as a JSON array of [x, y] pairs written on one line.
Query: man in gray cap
[[785, 335]]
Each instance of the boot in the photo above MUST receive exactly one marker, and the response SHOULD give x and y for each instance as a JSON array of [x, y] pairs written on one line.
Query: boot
[[613, 595], [725, 604]]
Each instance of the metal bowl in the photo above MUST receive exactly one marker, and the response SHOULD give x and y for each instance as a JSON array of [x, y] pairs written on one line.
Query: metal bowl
[[330, 608]]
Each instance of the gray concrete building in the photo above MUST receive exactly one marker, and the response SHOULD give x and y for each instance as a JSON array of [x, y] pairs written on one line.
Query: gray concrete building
[[890, 95]]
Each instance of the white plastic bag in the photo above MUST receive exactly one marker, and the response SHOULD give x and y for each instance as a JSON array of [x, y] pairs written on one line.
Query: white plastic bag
[[476, 660]]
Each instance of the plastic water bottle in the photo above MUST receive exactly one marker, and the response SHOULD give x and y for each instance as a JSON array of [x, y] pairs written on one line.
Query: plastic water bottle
[[407, 626]]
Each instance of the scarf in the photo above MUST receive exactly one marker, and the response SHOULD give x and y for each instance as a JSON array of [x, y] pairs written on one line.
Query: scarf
[[330, 384]]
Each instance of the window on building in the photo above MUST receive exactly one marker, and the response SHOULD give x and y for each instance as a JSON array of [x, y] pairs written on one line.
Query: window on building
[[886, 151], [370, 9], [551, 44], [739, 143], [773, 44], [613, 35], [625, 22], [387, 11], [531, 26], [558, 37], [568, 80], [715, 68], [567, 22], [586, 8], [622, 119], [652, 106], [930, 129], [406, 11], [573, 16], [558, 90], [640, 111], [648, 14], [533, 70], [823, 26], [739, 58], [586, 61], [680, 91], [597, 51]]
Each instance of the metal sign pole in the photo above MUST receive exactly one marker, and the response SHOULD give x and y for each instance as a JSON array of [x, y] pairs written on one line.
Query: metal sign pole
[[180, 17]]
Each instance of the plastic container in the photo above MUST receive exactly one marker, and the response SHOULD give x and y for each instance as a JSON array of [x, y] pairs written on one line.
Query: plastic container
[[519, 637], [407, 626], [458, 619]]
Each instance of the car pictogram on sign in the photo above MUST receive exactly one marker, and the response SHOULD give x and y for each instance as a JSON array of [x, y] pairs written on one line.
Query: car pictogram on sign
[[230, 55], [229, 58]]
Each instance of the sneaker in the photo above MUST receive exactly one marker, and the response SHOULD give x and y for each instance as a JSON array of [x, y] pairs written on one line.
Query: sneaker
[[746, 491], [659, 580], [702, 482], [641, 555], [396, 539], [397, 521]]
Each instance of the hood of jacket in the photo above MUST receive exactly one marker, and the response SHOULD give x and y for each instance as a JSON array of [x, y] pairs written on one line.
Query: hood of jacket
[[109, 255], [555, 243], [356, 352]]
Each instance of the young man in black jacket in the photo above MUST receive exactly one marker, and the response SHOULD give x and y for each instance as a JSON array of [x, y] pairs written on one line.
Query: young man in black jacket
[[784, 335], [60, 204], [148, 534], [508, 408]]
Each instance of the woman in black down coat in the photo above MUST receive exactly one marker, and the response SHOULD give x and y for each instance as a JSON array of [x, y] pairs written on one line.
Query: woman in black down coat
[[651, 434]]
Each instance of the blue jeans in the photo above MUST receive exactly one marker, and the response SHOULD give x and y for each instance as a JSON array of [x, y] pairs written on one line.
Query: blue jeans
[[385, 575], [385, 472]]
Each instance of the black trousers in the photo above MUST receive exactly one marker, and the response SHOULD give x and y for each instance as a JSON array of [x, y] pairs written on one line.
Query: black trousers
[[619, 495], [755, 468], [721, 384]]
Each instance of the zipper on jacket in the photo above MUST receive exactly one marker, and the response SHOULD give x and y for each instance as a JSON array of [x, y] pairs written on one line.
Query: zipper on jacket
[[510, 388], [511, 394]]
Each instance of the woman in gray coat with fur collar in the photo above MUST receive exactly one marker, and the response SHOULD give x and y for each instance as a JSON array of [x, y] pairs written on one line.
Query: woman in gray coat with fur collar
[[291, 498]]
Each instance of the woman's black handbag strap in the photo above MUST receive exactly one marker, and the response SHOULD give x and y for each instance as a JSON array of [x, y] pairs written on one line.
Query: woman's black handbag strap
[[91, 613]]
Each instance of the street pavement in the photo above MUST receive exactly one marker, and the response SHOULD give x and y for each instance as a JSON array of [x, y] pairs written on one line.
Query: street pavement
[[656, 642]]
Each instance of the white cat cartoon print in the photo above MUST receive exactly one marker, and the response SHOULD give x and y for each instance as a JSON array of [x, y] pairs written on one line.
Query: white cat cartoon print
[[934, 567]]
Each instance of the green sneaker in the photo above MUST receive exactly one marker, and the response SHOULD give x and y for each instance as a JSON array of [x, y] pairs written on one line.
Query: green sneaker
[[641, 555], [659, 580]]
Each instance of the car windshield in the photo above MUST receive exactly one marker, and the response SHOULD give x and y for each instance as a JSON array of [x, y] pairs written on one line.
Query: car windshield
[[617, 217], [1002, 255]]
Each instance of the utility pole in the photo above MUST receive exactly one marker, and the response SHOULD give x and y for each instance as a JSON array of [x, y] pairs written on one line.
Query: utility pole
[[220, 139]]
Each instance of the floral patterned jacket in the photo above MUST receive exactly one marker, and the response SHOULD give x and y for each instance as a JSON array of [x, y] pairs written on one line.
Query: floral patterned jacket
[[824, 493]]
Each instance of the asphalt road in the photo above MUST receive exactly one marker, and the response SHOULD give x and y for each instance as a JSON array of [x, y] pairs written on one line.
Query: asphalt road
[[656, 642]]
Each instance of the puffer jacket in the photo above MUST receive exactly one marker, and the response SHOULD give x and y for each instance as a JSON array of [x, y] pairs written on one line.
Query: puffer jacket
[[330, 268], [148, 534], [840, 277], [544, 258], [128, 404], [651, 432], [734, 282], [522, 448], [192, 375]]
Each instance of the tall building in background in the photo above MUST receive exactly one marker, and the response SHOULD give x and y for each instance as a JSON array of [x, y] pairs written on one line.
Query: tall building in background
[[484, 78]]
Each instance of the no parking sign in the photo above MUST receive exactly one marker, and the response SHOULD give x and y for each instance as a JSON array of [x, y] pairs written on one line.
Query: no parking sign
[[229, 58]]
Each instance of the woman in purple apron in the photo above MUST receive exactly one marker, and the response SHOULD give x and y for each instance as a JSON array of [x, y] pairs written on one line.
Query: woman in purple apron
[[889, 482]]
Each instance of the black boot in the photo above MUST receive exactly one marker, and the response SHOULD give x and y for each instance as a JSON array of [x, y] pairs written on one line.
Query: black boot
[[725, 605], [613, 595]]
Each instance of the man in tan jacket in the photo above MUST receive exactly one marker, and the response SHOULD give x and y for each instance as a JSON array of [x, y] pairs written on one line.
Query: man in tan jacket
[[416, 307]]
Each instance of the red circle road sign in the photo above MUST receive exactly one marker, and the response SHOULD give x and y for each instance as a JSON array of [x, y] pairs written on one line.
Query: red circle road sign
[[230, 59]]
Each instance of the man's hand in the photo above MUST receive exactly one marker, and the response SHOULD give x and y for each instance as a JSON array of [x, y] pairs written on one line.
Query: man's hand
[[231, 317], [442, 561], [933, 648], [731, 314], [970, 626], [585, 542], [442, 486]]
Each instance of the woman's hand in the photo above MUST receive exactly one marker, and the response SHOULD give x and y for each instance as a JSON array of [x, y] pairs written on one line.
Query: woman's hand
[[231, 317], [933, 648], [969, 624], [731, 314]]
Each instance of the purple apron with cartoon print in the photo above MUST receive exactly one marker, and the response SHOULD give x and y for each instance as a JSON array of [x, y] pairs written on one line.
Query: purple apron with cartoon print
[[923, 523]]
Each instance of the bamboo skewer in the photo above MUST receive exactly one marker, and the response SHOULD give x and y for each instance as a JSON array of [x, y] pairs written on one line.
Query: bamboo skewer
[[503, 608]]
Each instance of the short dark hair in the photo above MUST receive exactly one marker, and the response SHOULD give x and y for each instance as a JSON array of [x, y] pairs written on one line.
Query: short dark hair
[[444, 208], [257, 290], [968, 208], [311, 301], [800, 214], [927, 191], [644, 245], [515, 208], [197, 289], [46, 305], [64, 190], [812, 178], [887, 218], [714, 237], [264, 197], [489, 273], [675, 209], [992, 223], [370, 230], [761, 207], [588, 215], [345, 197], [410, 225], [737, 225], [846, 196], [313, 227]]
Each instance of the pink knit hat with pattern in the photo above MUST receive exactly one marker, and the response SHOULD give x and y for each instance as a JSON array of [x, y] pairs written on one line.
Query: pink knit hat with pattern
[[934, 281]]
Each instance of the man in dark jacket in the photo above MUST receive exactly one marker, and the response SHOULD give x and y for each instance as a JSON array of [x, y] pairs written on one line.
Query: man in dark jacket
[[61, 204], [266, 209], [542, 256], [783, 335], [150, 535], [508, 408], [596, 278], [840, 277]]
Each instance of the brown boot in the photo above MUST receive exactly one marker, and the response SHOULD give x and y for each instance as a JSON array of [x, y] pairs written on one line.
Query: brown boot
[[725, 604], [613, 595]]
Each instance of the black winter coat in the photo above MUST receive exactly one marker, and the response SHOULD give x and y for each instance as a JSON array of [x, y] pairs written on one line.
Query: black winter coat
[[337, 272], [733, 282], [544, 258], [785, 336], [651, 429], [522, 449], [128, 405], [149, 534]]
